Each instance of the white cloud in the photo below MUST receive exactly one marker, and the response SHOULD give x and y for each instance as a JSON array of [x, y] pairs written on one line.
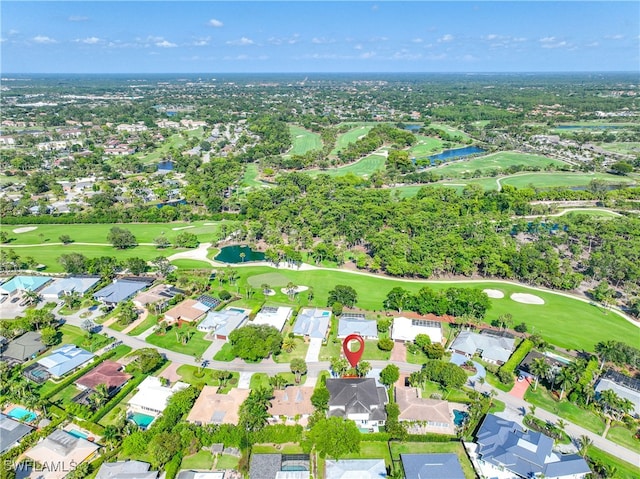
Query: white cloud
[[417, 40], [244, 41], [440, 56], [201, 42], [322, 40], [469, 58], [592, 44], [553, 42], [78, 18], [292, 40], [88, 40], [446, 38], [44, 40], [215, 23], [491, 36], [165, 44], [614, 37], [2, 40], [366, 55], [358, 47]]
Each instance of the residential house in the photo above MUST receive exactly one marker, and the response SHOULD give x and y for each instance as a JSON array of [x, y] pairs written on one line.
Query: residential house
[[109, 373], [64, 359], [273, 316], [219, 324], [160, 294], [291, 404], [20, 284], [355, 323], [152, 396], [65, 286], [212, 407], [279, 466], [59, 453], [504, 444], [24, 347], [431, 466], [493, 349], [190, 311], [191, 474], [624, 386], [11, 431], [126, 470], [425, 415], [361, 400], [312, 323], [406, 329], [119, 291], [356, 468], [524, 368]]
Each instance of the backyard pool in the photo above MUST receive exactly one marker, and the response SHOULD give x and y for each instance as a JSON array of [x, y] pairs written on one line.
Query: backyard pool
[[78, 434], [142, 420], [459, 417], [22, 414]]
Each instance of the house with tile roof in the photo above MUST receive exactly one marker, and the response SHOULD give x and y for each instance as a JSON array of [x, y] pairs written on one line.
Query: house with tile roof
[[293, 404], [109, 373], [190, 311], [425, 415], [212, 407]]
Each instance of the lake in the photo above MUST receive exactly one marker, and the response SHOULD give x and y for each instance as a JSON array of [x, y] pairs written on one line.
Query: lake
[[412, 128], [456, 153], [165, 165], [231, 254]]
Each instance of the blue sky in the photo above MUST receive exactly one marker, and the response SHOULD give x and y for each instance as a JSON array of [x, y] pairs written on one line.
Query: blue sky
[[304, 36]]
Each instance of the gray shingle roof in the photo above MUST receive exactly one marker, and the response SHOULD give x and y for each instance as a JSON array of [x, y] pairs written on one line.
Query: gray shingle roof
[[431, 466], [25, 346], [119, 290], [264, 466], [126, 470], [11, 431], [364, 327], [493, 347], [357, 396], [360, 468]]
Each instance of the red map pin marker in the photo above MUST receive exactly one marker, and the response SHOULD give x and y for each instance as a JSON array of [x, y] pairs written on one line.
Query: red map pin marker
[[353, 356]]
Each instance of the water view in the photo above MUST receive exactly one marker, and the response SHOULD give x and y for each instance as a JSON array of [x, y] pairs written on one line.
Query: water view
[[232, 254], [456, 153]]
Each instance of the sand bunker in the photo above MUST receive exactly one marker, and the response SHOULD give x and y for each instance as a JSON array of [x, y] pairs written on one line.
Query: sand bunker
[[299, 136], [527, 298], [25, 229], [269, 292], [298, 289], [182, 228], [494, 293]]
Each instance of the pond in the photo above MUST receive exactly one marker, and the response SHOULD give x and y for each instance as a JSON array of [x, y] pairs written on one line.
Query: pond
[[165, 165], [412, 128], [456, 153], [231, 254]]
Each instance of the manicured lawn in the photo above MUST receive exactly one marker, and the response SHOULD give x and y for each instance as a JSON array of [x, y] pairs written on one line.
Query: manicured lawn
[[496, 161], [226, 461], [120, 352], [225, 354], [454, 395], [262, 380], [364, 167], [303, 140], [587, 212], [150, 321], [418, 358], [196, 346], [176, 140], [425, 146], [72, 335], [495, 382], [624, 437], [456, 448], [187, 264], [553, 179], [497, 406], [300, 351], [565, 409], [250, 176], [288, 448], [189, 375], [371, 450], [562, 320], [627, 148], [351, 137], [64, 397], [199, 460], [623, 468]]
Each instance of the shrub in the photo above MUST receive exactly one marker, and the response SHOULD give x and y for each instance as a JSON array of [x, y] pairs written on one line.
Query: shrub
[[224, 295], [385, 344], [516, 358]]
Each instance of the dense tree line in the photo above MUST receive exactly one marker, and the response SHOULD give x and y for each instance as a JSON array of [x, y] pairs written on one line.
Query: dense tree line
[[451, 301]]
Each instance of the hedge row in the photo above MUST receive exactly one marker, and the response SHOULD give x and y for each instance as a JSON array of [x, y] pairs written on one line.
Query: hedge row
[[115, 400], [71, 379], [518, 355]]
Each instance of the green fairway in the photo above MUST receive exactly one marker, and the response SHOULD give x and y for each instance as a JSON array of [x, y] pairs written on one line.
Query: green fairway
[[560, 179], [598, 213], [274, 280], [303, 141], [351, 136], [174, 141], [563, 321], [250, 176], [425, 146], [449, 129], [364, 167], [626, 148], [97, 233], [494, 162]]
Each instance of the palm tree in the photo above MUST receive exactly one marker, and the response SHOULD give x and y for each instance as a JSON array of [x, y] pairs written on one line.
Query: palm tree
[[100, 396], [584, 442], [278, 381], [243, 256], [532, 410], [565, 380], [539, 368], [561, 424], [198, 360], [266, 289], [363, 368], [339, 365], [299, 368], [291, 290], [31, 297], [289, 343]]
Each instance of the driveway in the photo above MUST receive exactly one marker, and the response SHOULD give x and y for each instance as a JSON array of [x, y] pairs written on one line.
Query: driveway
[[399, 351], [313, 353], [481, 372], [245, 379], [520, 388]]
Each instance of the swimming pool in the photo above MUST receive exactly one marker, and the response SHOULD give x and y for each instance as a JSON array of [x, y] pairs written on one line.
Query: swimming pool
[[22, 414], [459, 417], [142, 420], [78, 434], [325, 314]]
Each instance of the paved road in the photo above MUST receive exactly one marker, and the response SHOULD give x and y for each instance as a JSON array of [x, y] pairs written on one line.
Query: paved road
[[515, 405]]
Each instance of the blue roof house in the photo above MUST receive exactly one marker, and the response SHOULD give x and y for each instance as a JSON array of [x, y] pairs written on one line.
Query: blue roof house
[[367, 328], [118, 291], [65, 359], [431, 466], [23, 283], [505, 444], [312, 322]]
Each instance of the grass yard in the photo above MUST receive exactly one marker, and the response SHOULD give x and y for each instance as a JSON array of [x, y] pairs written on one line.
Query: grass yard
[[454, 395], [425, 146], [361, 129], [456, 448], [225, 354], [150, 321], [496, 161], [300, 351], [303, 141], [597, 213], [262, 380], [226, 461], [624, 470], [371, 450], [64, 397], [624, 437], [363, 167], [565, 409], [72, 334], [199, 460], [288, 448], [196, 346], [97, 233], [563, 321]]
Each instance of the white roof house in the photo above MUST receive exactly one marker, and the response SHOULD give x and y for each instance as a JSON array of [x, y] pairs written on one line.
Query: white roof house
[[221, 323], [152, 397], [62, 286], [494, 349], [273, 316], [405, 329]]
